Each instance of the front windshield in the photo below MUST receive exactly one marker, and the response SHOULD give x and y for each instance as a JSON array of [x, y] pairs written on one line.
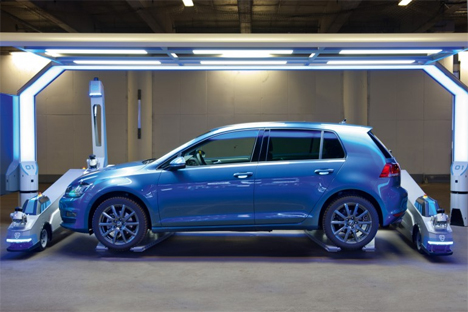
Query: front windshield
[[29, 207]]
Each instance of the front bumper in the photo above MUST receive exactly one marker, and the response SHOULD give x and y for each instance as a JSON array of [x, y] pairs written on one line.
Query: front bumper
[[439, 244], [21, 240], [438, 250], [74, 217]]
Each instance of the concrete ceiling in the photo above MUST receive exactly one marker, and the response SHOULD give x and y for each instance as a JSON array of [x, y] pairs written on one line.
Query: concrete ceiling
[[234, 16]]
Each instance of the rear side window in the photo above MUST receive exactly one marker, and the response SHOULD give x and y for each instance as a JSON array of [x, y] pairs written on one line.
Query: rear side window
[[380, 145], [331, 146], [293, 145], [303, 145]]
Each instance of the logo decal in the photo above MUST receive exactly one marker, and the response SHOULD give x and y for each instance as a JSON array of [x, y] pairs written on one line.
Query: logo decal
[[17, 235], [442, 238]]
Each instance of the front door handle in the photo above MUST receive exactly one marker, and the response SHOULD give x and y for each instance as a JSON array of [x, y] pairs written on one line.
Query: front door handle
[[243, 175], [323, 171]]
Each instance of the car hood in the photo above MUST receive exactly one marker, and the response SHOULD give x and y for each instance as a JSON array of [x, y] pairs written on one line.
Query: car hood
[[113, 171]]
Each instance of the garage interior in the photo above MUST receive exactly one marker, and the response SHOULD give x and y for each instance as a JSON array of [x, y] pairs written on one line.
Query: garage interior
[[279, 271]]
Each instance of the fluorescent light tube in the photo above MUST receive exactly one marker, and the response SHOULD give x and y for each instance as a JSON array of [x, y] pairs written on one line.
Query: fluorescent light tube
[[412, 51], [57, 52], [104, 62], [243, 62], [188, 3], [243, 53], [404, 2], [312, 55], [174, 55], [370, 62]]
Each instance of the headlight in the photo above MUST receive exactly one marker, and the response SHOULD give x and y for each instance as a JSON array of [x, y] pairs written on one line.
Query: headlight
[[76, 191]]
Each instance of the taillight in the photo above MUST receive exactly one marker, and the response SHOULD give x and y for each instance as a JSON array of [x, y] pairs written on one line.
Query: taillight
[[390, 170]]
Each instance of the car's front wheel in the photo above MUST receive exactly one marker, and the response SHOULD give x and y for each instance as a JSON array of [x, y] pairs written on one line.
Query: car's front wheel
[[119, 223], [418, 241], [350, 222]]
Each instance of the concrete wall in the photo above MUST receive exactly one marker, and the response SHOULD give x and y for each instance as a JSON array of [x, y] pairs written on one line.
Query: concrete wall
[[15, 72], [64, 121], [412, 115], [186, 104], [408, 110]]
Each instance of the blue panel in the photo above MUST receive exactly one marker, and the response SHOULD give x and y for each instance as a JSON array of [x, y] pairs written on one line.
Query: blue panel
[[6, 136]]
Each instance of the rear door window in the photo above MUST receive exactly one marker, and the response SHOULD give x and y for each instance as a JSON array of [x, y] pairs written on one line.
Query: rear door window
[[293, 145], [285, 145]]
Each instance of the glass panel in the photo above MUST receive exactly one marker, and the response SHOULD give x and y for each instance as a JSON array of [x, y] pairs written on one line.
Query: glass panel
[[331, 146], [30, 206], [234, 147], [293, 145], [380, 145]]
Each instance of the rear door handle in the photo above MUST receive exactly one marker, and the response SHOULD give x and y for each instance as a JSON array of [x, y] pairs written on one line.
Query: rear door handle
[[243, 175], [323, 171]]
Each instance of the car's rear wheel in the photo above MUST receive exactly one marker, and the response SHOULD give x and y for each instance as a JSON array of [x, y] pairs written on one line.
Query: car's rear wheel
[[119, 223], [43, 239], [350, 222]]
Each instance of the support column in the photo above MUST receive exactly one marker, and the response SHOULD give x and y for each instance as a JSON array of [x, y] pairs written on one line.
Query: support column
[[140, 148], [463, 57], [355, 97]]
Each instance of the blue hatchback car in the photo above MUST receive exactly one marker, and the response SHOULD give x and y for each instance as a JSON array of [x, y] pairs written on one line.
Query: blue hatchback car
[[246, 177]]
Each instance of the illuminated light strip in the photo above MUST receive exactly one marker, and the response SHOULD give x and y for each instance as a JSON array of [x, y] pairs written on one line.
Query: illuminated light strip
[[16, 129], [244, 53], [312, 55], [104, 62], [174, 55], [93, 51], [460, 115], [413, 51], [243, 62], [27, 113], [404, 2], [188, 3], [382, 62], [440, 243], [259, 67], [19, 240]]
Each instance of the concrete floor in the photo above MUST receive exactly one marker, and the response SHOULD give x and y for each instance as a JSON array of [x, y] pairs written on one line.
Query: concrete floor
[[234, 272]]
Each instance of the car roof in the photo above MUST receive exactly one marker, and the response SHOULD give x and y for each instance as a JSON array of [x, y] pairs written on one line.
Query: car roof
[[293, 124]]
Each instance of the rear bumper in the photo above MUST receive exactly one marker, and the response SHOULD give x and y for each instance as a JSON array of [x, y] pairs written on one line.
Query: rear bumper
[[396, 200]]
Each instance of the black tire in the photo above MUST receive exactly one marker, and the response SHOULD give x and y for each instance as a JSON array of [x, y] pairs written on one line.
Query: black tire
[[417, 239], [350, 222], [119, 223], [44, 239]]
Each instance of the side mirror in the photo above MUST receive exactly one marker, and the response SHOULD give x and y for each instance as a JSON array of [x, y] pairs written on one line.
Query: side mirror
[[177, 163]]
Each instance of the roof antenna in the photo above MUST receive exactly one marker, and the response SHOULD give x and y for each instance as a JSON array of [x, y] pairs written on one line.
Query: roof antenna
[[343, 122]]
